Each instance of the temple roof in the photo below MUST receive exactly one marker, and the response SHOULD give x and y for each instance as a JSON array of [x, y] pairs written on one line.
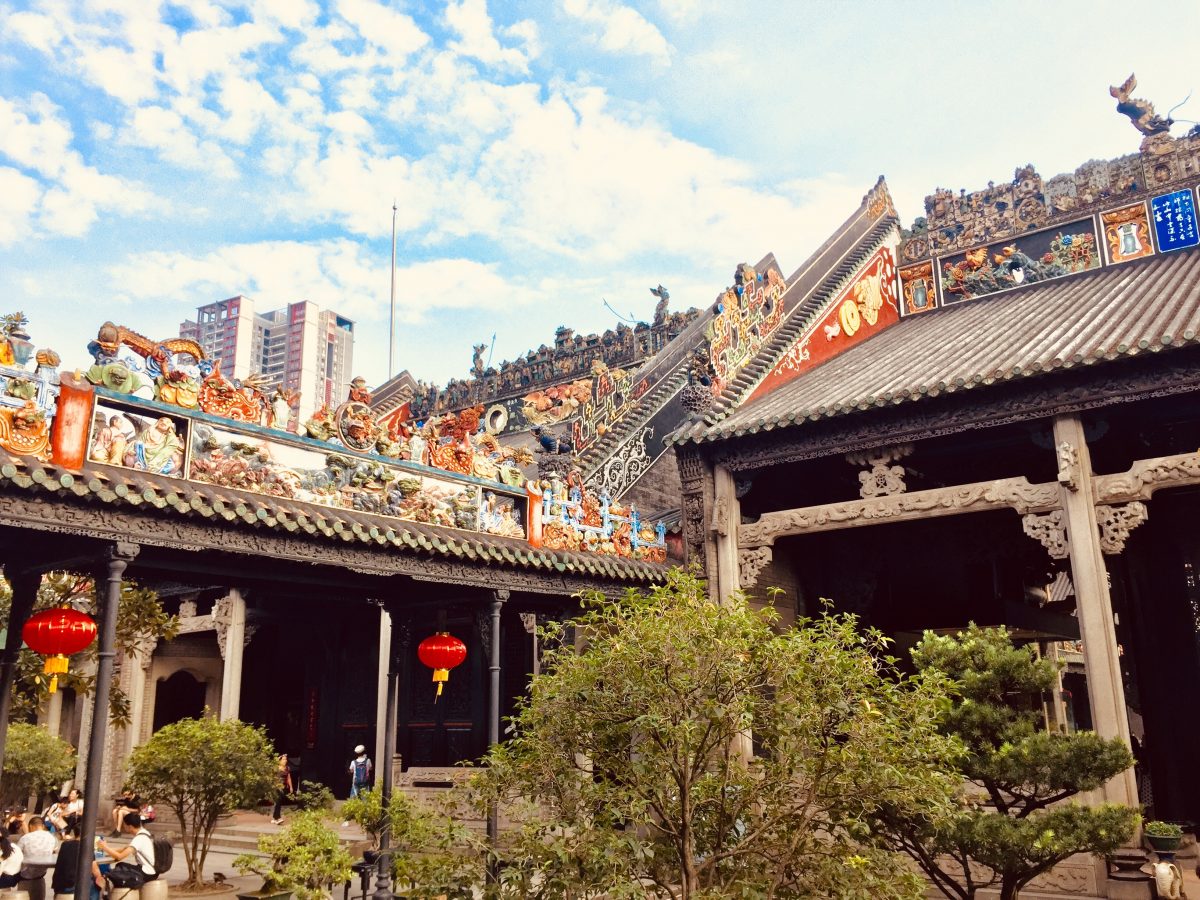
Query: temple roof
[[1147, 306], [137, 490]]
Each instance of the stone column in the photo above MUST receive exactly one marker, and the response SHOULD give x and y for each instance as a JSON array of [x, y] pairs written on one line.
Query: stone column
[[231, 612], [1093, 601], [381, 684], [727, 515]]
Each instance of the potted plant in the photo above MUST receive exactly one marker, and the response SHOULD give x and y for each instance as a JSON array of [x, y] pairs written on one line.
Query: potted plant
[[1164, 837], [306, 858]]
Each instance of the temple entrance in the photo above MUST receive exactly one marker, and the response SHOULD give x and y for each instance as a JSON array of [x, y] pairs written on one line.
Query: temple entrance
[[179, 697]]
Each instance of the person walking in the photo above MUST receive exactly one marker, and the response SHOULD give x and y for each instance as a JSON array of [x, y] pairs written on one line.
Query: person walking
[[284, 787], [360, 771]]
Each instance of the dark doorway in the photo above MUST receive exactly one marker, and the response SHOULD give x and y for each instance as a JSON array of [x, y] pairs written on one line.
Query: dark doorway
[[179, 697]]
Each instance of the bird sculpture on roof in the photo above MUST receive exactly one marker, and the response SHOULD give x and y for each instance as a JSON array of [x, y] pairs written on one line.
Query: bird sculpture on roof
[[664, 297]]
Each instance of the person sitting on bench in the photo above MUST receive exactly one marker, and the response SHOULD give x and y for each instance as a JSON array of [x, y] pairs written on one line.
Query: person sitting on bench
[[141, 847]]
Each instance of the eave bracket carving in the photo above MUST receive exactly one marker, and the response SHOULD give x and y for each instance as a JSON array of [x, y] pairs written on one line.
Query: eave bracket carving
[[1116, 522], [1049, 530]]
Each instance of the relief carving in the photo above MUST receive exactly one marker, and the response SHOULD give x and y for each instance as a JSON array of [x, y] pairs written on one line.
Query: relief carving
[[882, 479], [1116, 522], [1016, 493], [1147, 475], [1068, 466], [1050, 531], [750, 562]]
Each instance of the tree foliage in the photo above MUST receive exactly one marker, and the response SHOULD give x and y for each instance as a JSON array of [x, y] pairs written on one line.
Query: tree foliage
[[140, 620], [35, 761], [1013, 823], [306, 857], [199, 769], [634, 751]]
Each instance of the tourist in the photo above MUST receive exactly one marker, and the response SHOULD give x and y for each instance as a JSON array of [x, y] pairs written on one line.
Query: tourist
[[283, 788], [73, 811], [36, 843], [55, 815], [140, 848], [360, 771], [10, 862], [125, 804], [63, 879]]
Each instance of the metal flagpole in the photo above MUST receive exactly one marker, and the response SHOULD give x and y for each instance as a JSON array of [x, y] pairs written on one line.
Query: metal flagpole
[[392, 317]]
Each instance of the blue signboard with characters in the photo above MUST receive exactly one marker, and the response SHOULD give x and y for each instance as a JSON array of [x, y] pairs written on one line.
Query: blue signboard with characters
[[1174, 217]]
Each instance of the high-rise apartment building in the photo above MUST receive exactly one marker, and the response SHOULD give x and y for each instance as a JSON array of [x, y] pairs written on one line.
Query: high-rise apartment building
[[299, 346]]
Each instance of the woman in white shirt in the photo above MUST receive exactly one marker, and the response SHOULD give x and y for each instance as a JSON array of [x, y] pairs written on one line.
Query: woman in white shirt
[[11, 859]]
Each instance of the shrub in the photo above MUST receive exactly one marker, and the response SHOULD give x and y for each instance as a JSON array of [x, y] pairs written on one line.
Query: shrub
[[306, 857], [34, 762]]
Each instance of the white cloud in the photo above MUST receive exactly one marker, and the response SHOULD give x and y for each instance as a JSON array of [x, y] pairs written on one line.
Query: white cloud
[[34, 135], [621, 29], [477, 37], [19, 196], [336, 274]]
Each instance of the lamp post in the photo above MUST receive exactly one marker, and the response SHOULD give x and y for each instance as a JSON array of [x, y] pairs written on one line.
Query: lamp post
[[120, 555]]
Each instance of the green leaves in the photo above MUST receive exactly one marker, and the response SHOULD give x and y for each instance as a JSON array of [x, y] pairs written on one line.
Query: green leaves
[[636, 751], [34, 762], [1012, 824], [306, 857], [201, 768]]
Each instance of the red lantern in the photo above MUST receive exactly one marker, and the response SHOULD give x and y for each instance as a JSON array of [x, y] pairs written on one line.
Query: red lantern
[[56, 634], [441, 652]]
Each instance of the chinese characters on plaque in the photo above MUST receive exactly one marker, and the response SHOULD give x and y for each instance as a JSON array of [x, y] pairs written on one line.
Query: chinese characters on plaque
[[1174, 217]]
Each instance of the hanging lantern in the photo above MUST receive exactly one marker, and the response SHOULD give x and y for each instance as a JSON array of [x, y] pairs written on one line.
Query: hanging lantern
[[441, 652], [56, 634]]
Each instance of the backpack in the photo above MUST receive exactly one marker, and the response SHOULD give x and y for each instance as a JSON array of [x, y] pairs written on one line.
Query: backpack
[[164, 855], [362, 771]]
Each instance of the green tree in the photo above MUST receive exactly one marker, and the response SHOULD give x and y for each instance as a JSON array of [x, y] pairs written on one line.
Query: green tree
[[199, 769], [306, 857], [34, 762], [140, 619], [1013, 823], [634, 752]]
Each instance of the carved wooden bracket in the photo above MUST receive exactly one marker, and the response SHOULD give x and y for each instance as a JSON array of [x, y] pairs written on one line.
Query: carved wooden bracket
[[1116, 522], [881, 479], [751, 561], [1050, 531], [1005, 493]]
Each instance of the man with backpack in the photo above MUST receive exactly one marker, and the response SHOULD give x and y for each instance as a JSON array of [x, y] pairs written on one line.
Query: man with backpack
[[151, 856], [360, 771]]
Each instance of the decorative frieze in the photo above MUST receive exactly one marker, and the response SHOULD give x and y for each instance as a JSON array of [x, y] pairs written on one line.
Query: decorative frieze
[[1006, 493], [1145, 476]]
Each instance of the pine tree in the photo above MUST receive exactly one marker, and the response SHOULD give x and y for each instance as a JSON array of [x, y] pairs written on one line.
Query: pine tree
[[1014, 822]]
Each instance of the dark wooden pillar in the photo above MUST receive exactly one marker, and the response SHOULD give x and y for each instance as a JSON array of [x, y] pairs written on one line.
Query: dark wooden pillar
[[493, 819]]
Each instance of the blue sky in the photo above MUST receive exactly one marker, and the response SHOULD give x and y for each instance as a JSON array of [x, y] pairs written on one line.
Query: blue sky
[[544, 156]]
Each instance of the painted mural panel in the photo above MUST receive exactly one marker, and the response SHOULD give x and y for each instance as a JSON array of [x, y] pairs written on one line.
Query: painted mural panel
[[865, 308], [1027, 259], [147, 443], [1175, 221], [918, 289], [338, 480], [1126, 233]]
